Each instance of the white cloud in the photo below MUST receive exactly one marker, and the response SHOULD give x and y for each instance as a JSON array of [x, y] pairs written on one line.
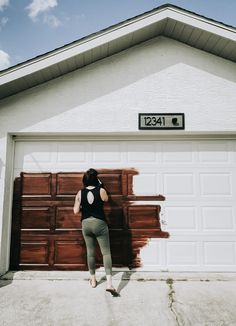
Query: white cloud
[[52, 21], [3, 22], [4, 60], [37, 7], [4, 4]]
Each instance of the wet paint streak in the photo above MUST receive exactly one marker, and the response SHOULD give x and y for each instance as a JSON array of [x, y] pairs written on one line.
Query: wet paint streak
[[49, 235]]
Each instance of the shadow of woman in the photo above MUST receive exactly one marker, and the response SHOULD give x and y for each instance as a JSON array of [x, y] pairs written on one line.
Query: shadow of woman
[[125, 279]]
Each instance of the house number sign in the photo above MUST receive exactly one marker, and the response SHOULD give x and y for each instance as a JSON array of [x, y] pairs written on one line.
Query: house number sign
[[167, 121]]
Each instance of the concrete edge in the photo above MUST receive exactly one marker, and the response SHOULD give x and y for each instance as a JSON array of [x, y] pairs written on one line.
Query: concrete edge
[[119, 275]]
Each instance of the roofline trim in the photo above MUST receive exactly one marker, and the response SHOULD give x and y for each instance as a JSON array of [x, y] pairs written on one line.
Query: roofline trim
[[109, 34]]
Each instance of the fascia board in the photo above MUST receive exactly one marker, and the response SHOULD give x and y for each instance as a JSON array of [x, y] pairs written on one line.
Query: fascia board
[[111, 34], [83, 46], [203, 24]]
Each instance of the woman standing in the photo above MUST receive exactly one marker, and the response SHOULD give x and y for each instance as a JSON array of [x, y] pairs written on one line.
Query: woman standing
[[90, 201]]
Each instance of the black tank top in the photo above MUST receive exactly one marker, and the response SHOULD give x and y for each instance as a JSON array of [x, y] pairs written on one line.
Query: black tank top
[[95, 209]]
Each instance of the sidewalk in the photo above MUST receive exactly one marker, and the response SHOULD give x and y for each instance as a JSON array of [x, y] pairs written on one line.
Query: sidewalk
[[150, 299]]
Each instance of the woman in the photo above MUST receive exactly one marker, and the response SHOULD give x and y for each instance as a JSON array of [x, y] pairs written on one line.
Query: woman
[[90, 201]]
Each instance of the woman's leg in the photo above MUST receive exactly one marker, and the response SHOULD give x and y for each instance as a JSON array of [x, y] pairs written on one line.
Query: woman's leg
[[104, 244], [90, 247]]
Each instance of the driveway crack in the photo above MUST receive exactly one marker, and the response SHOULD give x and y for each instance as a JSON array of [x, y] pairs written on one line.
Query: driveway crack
[[171, 294]]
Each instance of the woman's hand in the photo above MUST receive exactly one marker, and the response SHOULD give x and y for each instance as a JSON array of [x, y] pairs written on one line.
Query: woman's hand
[[101, 185]]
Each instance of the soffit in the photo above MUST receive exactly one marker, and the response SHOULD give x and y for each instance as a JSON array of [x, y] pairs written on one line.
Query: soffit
[[169, 21]]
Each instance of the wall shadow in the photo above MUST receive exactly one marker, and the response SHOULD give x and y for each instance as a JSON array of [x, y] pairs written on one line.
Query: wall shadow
[[133, 220]]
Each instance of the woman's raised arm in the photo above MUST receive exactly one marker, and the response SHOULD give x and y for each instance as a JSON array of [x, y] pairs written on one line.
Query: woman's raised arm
[[77, 203]]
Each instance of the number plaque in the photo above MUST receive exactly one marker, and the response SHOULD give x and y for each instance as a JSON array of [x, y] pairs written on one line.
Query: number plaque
[[167, 121]]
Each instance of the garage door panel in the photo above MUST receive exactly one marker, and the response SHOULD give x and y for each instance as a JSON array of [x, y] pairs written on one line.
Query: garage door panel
[[36, 218], [175, 153], [37, 184], [119, 249], [219, 253], [66, 219], [107, 152], [113, 183], [218, 218], [30, 156], [40, 250], [70, 153], [143, 217], [125, 249], [141, 152], [147, 183], [182, 253], [215, 152], [69, 252], [114, 215], [150, 254], [68, 183], [179, 184], [216, 184], [181, 218]]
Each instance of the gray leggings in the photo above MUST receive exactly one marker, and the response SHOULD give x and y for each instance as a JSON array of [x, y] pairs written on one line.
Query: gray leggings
[[92, 229]]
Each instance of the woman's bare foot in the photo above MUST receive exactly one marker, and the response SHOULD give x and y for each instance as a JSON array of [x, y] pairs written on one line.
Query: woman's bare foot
[[93, 281]]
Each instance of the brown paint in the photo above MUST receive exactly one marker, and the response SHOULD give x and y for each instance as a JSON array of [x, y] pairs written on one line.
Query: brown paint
[[46, 235]]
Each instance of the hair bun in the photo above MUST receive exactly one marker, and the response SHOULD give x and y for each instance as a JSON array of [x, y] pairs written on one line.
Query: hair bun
[[92, 172]]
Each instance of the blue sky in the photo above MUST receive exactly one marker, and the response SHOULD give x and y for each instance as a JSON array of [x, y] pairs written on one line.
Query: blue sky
[[32, 27]]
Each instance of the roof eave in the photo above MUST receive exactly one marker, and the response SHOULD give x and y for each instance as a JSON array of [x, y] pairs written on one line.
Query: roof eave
[[111, 34]]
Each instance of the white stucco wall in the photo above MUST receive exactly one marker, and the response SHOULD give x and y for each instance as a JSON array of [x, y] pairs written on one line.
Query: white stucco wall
[[161, 75], [2, 186], [6, 187]]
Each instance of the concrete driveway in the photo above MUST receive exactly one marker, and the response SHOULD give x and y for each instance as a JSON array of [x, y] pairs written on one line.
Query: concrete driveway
[[150, 299]]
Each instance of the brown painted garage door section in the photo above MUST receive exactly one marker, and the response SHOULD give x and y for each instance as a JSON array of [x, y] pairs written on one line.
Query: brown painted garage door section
[[46, 235]]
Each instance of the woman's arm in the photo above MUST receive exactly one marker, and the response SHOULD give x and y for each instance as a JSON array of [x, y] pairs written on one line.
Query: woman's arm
[[103, 194], [77, 203]]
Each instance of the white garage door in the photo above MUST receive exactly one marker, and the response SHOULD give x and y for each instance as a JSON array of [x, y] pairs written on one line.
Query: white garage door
[[198, 179]]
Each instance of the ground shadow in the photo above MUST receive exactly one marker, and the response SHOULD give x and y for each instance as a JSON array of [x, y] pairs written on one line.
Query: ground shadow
[[123, 282], [6, 279], [125, 278]]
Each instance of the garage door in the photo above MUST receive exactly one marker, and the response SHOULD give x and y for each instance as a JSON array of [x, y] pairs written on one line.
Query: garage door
[[197, 178]]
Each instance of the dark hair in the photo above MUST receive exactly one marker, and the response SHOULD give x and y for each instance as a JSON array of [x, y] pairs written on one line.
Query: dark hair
[[90, 178]]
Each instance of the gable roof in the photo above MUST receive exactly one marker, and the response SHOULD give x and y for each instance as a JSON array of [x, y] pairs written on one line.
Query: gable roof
[[167, 20]]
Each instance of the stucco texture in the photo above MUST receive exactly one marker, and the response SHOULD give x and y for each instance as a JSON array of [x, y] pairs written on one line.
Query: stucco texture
[[160, 75]]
